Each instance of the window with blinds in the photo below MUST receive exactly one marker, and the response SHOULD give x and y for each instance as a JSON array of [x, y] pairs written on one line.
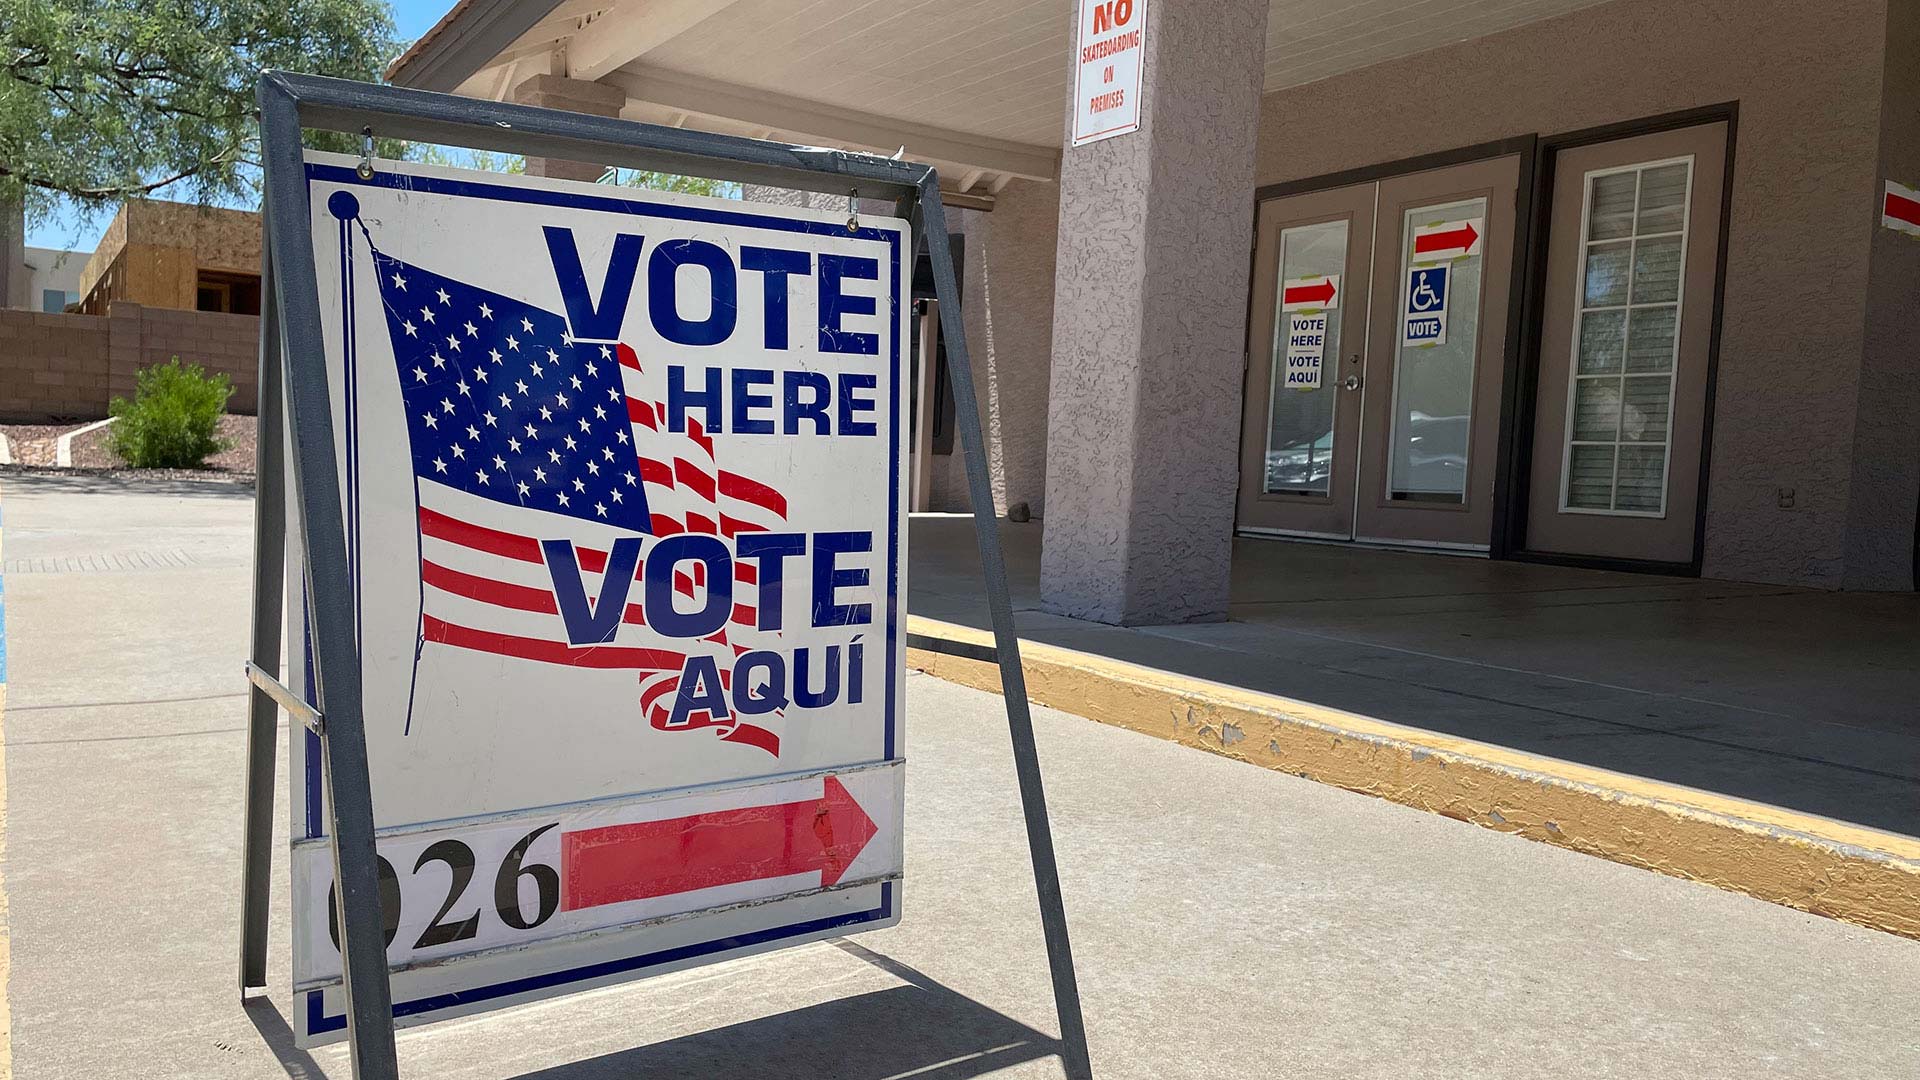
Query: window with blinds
[[1626, 338]]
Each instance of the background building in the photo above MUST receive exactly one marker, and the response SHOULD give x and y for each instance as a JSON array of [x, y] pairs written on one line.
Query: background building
[[1677, 341], [176, 255], [53, 277], [168, 280]]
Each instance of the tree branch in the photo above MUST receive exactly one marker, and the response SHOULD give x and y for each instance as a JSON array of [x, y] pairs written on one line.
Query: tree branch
[[125, 190]]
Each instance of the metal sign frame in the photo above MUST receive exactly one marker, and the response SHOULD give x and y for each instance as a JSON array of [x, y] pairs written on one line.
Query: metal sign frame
[[293, 398]]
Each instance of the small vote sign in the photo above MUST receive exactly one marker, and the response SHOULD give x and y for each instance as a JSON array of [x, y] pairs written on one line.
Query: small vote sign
[[1425, 321], [1306, 349]]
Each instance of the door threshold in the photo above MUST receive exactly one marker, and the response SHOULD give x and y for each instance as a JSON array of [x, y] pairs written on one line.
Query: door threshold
[[1422, 547]]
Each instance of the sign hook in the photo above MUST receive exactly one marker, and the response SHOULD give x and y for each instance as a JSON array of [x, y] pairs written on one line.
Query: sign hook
[[853, 212], [365, 169]]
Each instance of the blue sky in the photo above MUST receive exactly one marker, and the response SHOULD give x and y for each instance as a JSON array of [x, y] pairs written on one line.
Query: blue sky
[[67, 230]]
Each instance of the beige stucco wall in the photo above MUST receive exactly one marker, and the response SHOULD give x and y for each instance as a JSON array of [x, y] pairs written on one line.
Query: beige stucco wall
[[1809, 92]]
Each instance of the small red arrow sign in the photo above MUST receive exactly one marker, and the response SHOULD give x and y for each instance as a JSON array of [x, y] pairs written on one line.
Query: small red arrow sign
[[725, 847], [1901, 208], [1460, 239], [1319, 292]]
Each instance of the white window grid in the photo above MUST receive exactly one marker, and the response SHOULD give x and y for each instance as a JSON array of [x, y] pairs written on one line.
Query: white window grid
[[1581, 309]]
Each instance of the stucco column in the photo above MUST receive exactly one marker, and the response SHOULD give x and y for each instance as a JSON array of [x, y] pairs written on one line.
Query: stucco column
[[573, 95], [1149, 325]]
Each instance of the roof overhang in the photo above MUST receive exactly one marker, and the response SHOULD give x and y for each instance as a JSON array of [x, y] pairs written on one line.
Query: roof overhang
[[485, 48], [467, 38]]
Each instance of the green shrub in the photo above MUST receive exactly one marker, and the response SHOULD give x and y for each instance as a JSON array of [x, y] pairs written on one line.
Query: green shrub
[[169, 424]]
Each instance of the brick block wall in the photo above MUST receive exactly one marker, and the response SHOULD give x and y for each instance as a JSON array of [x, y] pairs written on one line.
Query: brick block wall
[[215, 341], [69, 367], [52, 367]]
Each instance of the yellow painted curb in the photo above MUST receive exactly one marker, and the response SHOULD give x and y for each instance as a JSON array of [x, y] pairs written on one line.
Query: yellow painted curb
[[1815, 864]]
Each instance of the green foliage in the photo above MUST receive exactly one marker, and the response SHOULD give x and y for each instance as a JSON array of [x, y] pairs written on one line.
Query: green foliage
[[169, 424], [685, 185], [484, 160], [489, 161], [105, 99]]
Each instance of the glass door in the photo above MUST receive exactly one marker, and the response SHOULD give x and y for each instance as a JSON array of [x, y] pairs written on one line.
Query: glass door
[[1307, 334], [1443, 263]]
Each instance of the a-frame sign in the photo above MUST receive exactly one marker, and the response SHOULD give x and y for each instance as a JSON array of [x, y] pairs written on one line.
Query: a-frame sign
[[588, 506]]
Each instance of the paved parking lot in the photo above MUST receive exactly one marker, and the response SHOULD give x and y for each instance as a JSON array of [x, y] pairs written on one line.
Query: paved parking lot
[[1229, 921]]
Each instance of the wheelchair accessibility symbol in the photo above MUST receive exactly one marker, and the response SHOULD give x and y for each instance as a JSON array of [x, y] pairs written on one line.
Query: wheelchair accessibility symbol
[[1426, 316], [1429, 291]]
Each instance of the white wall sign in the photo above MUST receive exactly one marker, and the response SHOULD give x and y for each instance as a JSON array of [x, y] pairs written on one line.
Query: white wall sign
[[1900, 210], [1109, 54], [626, 529], [1425, 319], [1306, 349]]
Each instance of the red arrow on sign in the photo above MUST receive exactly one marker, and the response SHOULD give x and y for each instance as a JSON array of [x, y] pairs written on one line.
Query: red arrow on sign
[[725, 847], [1318, 293], [1460, 239], [1901, 208]]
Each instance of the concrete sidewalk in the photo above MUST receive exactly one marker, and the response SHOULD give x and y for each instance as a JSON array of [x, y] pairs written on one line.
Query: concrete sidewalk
[[1792, 697], [1229, 921]]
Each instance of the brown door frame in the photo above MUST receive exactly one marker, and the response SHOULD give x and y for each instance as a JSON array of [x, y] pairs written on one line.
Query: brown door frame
[[1260, 293], [1512, 489], [1494, 293], [1526, 148]]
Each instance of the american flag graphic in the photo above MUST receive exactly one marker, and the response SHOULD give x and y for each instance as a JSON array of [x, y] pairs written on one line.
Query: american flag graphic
[[520, 434]]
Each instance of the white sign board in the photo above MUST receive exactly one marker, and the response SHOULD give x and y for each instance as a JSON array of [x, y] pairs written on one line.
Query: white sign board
[[1425, 319], [1306, 349], [625, 513], [1900, 210], [1109, 55]]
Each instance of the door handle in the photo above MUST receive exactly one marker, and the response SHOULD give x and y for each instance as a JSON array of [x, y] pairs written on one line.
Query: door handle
[[1352, 382]]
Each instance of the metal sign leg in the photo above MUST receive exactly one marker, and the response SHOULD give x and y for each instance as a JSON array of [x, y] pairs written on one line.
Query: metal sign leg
[[316, 482], [1026, 758], [269, 586]]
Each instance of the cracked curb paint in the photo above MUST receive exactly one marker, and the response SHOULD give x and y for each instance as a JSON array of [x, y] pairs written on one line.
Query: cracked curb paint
[[1814, 864]]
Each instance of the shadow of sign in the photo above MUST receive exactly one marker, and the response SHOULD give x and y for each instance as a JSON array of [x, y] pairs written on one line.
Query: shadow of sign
[[278, 1036], [921, 1029]]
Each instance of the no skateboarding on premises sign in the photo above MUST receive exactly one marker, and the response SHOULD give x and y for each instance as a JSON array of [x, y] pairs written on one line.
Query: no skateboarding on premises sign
[[1110, 53], [622, 484]]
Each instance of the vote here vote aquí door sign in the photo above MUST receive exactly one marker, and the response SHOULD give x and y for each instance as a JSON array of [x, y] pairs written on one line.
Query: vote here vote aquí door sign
[[622, 474]]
